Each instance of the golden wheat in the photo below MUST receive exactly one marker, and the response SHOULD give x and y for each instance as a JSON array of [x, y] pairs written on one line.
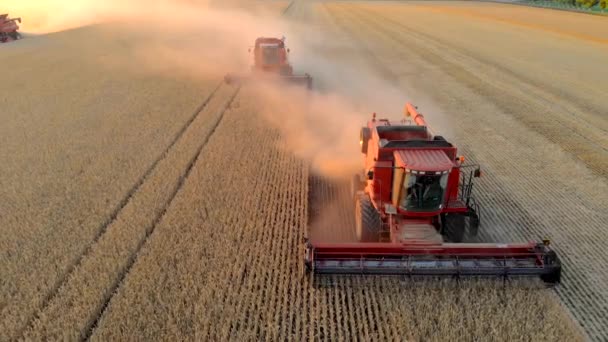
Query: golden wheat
[[223, 265], [77, 134], [91, 248]]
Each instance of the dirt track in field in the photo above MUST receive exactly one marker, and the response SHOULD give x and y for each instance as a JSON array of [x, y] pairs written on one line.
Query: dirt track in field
[[141, 210]]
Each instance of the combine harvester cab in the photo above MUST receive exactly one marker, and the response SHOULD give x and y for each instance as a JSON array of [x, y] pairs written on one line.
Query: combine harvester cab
[[413, 206], [271, 62], [9, 29]]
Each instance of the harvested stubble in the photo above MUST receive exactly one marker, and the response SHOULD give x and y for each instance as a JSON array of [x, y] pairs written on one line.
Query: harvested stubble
[[73, 311], [222, 265], [539, 135]]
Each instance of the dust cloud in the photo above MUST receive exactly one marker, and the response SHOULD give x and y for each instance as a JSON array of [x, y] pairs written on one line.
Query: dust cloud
[[206, 39], [45, 16], [322, 126]]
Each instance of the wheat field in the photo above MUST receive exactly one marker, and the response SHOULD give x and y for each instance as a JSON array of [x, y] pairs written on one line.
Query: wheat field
[[150, 201], [246, 293]]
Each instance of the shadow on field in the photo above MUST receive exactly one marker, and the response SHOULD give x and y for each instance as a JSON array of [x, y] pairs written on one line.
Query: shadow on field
[[330, 210]]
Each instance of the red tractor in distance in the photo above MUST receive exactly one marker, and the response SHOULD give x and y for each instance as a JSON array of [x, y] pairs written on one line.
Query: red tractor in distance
[[9, 28], [270, 61], [413, 207]]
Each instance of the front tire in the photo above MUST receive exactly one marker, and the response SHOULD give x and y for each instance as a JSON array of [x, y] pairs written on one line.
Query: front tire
[[454, 227], [474, 225], [367, 220]]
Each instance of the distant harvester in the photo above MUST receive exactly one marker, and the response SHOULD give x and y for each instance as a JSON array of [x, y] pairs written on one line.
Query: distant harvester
[[9, 29]]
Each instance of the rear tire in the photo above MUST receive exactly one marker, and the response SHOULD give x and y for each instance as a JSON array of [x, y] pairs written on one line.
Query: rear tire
[[473, 225], [367, 220], [454, 227]]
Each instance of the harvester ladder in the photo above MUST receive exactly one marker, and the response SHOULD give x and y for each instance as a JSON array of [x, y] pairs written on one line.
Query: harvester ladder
[[384, 234]]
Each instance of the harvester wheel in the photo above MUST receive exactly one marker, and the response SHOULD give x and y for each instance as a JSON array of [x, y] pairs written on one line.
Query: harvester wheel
[[454, 227], [367, 220], [473, 225], [15, 35]]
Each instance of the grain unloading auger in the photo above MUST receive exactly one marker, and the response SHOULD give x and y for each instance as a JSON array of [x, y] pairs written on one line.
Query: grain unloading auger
[[270, 62], [413, 206], [9, 29]]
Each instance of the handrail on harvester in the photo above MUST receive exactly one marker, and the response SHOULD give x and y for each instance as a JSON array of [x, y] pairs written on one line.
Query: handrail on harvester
[[447, 259]]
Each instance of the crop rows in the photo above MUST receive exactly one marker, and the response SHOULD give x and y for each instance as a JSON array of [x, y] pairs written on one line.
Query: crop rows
[[74, 150], [223, 263], [133, 218], [73, 311], [532, 188]]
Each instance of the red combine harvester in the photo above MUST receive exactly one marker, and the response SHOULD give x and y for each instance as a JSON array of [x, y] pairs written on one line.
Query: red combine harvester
[[413, 209], [270, 60], [9, 28]]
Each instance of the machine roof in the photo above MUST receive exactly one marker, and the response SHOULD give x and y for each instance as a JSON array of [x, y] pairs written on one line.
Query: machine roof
[[267, 40], [423, 160]]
